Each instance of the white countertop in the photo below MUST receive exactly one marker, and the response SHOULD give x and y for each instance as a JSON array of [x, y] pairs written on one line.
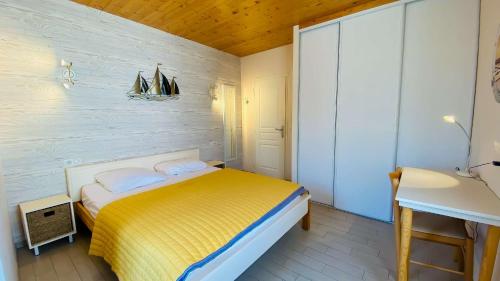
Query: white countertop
[[445, 193]]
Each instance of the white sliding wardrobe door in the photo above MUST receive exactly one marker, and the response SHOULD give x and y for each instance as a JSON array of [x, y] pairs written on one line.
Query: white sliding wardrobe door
[[316, 116], [439, 70], [367, 111]]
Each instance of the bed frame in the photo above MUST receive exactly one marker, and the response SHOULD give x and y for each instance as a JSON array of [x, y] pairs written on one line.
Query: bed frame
[[225, 267]]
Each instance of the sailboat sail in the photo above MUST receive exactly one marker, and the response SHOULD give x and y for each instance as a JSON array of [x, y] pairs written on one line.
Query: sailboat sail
[[140, 86], [165, 86], [155, 84], [144, 85], [137, 85], [174, 89]]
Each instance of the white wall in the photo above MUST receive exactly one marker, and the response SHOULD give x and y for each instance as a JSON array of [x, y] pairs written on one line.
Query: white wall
[[44, 128], [486, 129], [8, 262], [274, 62]]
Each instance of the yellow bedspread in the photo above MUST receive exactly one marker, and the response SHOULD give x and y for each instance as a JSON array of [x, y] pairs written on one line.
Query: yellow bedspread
[[165, 233]]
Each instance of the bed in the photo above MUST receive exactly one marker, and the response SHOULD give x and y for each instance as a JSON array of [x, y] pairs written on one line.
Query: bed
[[228, 264]]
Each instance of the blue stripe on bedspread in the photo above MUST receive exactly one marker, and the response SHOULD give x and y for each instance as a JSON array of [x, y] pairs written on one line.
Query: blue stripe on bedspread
[[240, 235]]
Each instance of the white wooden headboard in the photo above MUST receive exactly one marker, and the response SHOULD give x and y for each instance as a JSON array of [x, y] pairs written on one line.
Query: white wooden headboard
[[77, 177]]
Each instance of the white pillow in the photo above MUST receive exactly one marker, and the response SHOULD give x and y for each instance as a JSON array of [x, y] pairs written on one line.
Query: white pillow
[[125, 179], [180, 166]]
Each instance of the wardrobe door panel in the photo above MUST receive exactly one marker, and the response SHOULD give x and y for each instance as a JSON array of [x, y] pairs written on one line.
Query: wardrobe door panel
[[316, 116], [367, 111], [439, 69]]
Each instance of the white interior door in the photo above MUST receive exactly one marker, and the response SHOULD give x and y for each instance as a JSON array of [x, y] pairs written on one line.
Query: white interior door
[[316, 110], [270, 129], [439, 71], [367, 111]]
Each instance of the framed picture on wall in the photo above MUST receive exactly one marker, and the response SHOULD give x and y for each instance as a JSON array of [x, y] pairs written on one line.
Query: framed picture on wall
[[496, 69]]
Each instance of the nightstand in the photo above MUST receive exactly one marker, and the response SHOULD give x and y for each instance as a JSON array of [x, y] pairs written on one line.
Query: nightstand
[[217, 164], [47, 220]]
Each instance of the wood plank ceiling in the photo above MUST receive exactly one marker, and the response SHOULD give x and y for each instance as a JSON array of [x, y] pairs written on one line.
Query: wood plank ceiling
[[239, 27]]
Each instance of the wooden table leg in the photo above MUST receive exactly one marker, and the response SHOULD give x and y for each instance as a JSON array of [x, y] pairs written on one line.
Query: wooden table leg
[[489, 253], [404, 251]]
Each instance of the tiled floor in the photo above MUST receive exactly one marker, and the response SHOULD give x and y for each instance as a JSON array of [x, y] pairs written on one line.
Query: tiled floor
[[339, 247]]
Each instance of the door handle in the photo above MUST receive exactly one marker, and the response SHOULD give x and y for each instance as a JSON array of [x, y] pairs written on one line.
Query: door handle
[[282, 130]]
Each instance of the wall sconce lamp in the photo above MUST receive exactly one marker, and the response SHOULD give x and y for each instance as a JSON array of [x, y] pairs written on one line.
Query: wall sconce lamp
[[68, 75], [213, 92]]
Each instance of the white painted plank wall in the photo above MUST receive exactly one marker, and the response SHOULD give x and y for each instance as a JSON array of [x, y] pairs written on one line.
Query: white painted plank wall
[[44, 128]]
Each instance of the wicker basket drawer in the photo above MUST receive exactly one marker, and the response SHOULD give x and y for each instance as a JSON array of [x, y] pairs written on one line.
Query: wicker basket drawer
[[49, 223]]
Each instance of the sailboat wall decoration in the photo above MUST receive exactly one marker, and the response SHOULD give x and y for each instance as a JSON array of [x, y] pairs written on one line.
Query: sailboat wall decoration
[[165, 86], [140, 86], [173, 88], [158, 90]]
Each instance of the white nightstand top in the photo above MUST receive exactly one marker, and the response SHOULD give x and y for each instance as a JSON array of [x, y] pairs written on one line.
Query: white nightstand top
[[35, 205], [214, 162]]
